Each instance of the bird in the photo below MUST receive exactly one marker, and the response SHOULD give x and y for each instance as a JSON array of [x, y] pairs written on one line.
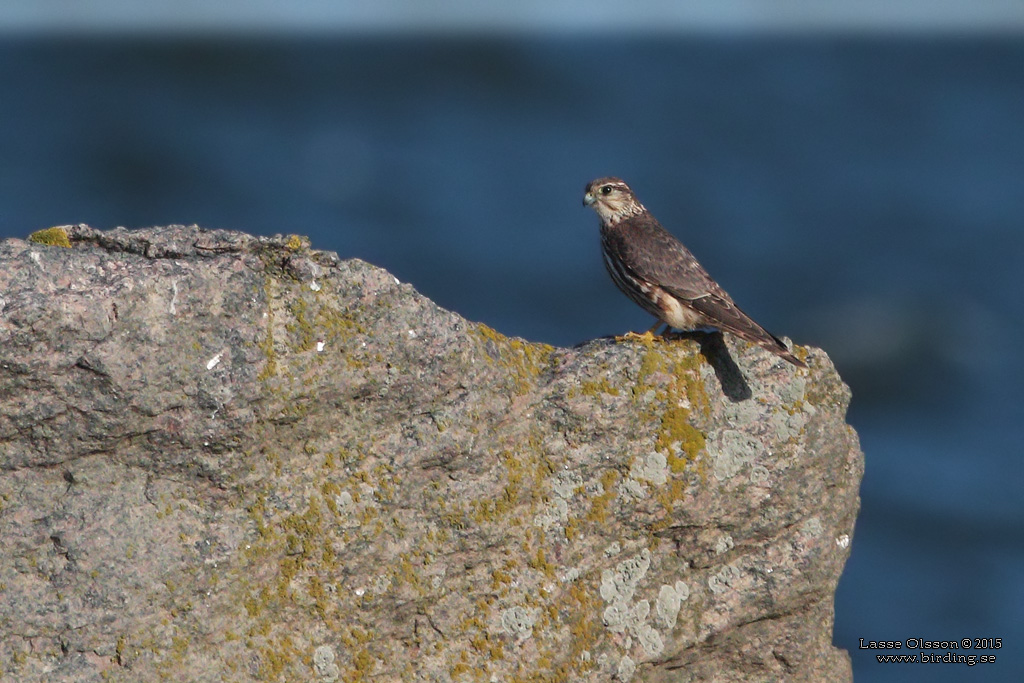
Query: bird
[[656, 271]]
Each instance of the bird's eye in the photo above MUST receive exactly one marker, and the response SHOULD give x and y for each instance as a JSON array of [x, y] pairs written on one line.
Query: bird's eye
[[607, 189]]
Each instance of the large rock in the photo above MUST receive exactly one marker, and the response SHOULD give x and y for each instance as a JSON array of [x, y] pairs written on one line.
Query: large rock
[[231, 458]]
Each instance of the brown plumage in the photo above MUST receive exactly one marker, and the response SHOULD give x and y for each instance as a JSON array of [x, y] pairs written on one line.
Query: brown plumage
[[657, 272]]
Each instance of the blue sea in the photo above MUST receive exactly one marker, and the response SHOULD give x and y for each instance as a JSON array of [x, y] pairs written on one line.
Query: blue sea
[[865, 195]]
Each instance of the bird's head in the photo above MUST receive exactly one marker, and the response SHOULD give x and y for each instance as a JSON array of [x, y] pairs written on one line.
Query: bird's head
[[612, 199]]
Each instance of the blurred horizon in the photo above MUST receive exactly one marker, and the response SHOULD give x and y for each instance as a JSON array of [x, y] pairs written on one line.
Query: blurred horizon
[[270, 17]]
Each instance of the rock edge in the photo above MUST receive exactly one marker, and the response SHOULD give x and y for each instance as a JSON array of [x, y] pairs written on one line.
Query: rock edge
[[227, 457]]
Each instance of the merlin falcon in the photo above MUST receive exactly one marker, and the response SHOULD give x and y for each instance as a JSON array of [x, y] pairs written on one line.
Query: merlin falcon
[[657, 272]]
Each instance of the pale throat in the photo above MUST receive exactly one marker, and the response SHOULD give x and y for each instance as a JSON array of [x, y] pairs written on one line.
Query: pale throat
[[612, 213]]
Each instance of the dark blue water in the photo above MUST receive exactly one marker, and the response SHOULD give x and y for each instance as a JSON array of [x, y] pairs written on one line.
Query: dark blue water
[[863, 195]]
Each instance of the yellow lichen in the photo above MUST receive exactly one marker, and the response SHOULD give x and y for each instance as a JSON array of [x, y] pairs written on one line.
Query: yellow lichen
[[540, 562], [683, 393], [676, 429], [595, 388], [572, 529], [524, 360], [269, 352], [276, 657], [601, 503], [54, 237]]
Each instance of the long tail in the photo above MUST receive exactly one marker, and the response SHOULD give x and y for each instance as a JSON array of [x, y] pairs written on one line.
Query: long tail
[[721, 312], [778, 347], [745, 328]]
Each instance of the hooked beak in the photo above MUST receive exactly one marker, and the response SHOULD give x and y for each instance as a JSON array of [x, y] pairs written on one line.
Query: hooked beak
[[588, 199]]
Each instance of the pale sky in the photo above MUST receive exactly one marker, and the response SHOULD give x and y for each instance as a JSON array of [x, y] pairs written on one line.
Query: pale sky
[[275, 16]]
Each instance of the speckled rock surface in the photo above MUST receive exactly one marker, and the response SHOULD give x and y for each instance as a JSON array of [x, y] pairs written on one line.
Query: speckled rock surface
[[230, 458]]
